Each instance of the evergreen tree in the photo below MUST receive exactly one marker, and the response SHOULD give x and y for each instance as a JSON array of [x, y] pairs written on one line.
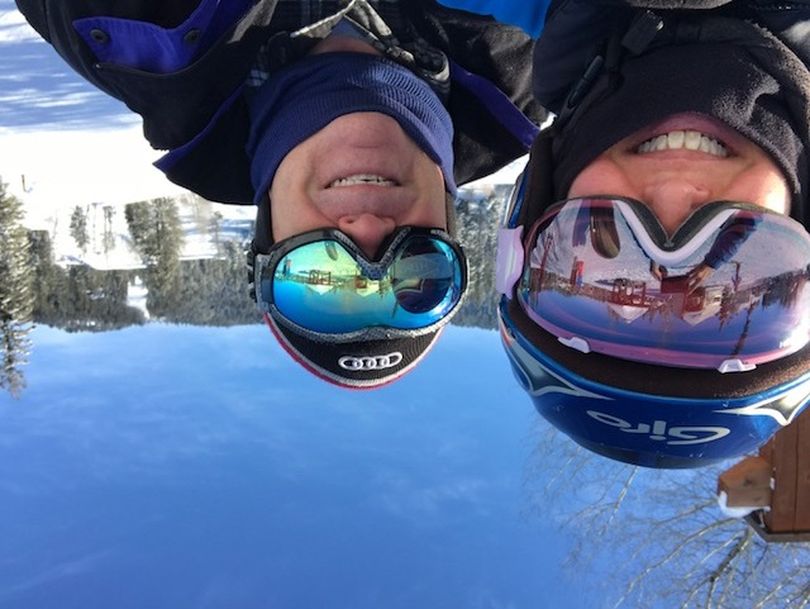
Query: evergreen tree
[[477, 224], [212, 292], [78, 227], [157, 236], [216, 222], [78, 299], [155, 229], [108, 241], [16, 297]]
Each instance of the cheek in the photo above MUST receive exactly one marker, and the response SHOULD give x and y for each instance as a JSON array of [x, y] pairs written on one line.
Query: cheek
[[282, 219], [430, 210], [290, 211], [765, 187], [291, 207], [602, 177]]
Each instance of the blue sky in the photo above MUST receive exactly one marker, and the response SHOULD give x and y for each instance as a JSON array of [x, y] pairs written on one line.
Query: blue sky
[[176, 465], [164, 466]]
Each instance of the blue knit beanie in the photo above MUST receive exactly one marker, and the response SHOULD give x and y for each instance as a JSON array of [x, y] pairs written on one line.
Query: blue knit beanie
[[301, 99]]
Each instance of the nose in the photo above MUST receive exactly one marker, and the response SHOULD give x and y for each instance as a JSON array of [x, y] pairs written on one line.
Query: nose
[[674, 200], [367, 230]]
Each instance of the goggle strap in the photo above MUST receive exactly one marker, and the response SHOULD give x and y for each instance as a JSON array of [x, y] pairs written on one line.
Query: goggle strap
[[509, 262], [263, 234]]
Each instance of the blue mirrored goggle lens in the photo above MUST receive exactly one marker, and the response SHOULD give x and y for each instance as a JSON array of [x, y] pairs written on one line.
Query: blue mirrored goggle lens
[[736, 294], [322, 287]]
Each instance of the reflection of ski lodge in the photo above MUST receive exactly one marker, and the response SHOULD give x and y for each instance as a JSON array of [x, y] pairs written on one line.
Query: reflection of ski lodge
[[324, 281], [324, 278], [317, 277], [630, 299]]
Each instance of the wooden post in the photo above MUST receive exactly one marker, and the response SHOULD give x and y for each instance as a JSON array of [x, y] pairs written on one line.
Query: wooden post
[[803, 476], [788, 454], [747, 484]]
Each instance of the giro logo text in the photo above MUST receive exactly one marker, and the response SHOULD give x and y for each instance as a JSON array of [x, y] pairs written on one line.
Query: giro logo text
[[660, 431], [378, 362]]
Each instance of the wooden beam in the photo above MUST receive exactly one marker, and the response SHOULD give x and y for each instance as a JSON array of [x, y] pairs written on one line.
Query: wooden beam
[[747, 484], [788, 453], [802, 522], [754, 519]]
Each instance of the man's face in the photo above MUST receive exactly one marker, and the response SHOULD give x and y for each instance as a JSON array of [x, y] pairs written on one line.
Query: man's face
[[681, 163], [362, 174]]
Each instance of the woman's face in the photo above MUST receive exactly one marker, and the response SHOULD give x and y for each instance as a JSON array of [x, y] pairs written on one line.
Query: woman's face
[[681, 163]]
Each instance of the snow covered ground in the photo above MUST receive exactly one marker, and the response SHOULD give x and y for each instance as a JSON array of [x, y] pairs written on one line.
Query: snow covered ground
[[65, 144], [71, 143]]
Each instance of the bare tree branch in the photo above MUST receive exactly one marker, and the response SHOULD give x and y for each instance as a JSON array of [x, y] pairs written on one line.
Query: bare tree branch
[[668, 557], [724, 568]]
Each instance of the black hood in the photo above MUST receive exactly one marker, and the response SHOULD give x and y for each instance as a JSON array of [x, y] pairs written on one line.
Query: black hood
[[640, 66]]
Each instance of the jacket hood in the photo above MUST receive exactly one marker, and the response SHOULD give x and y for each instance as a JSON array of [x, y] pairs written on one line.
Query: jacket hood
[[601, 54]]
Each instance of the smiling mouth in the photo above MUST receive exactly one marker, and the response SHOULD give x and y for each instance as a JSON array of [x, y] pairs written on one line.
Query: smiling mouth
[[684, 140], [363, 179]]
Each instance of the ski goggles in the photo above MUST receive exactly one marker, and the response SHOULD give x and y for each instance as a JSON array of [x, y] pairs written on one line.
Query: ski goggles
[[321, 282], [730, 290]]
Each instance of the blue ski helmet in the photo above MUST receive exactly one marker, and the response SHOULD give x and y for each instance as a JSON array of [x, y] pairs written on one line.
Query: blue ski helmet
[[651, 370]]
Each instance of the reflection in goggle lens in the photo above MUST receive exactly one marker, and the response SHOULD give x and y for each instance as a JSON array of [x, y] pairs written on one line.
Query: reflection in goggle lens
[[734, 294], [322, 287]]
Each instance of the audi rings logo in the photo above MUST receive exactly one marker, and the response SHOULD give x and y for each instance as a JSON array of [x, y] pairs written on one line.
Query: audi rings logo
[[379, 362]]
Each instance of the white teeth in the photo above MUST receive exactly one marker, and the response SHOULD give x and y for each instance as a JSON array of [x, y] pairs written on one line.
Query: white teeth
[[692, 140], [678, 140], [363, 179], [675, 139]]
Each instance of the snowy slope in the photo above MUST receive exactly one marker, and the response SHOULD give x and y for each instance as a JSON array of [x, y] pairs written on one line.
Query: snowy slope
[[71, 143], [65, 144]]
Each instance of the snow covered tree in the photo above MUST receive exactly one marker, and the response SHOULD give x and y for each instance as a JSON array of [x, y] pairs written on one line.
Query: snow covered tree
[[157, 235], [215, 227], [78, 227], [108, 241], [477, 231], [16, 296]]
